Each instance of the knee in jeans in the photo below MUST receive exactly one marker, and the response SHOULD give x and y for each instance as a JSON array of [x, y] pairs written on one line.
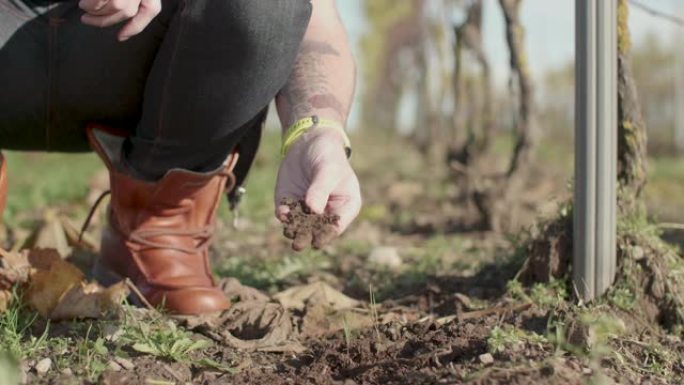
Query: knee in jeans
[[257, 23]]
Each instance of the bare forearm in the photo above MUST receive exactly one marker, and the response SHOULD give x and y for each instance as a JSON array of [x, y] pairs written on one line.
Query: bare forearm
[[323, 80]]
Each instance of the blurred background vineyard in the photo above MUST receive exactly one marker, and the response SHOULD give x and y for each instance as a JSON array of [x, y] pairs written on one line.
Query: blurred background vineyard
[[408, 98], [408, 54], [405, 51]]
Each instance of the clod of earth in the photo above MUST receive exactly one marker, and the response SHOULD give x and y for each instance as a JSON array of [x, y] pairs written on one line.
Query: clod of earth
[[306, 229]]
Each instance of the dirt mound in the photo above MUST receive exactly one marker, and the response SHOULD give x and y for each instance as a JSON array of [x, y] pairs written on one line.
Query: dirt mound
[[423, 352], [647, 275], [549, 252], [308, 229]]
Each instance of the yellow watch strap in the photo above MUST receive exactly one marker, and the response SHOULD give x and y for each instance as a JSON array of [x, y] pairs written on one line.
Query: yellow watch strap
[[302, 126]]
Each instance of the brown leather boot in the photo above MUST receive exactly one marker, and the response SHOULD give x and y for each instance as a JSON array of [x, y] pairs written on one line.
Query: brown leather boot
[[159, 232], [3, 185]]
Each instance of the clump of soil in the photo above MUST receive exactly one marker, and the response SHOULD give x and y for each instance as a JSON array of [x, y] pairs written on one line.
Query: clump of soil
[[648, 269], [306, 228], [651, 271], [549, 253]]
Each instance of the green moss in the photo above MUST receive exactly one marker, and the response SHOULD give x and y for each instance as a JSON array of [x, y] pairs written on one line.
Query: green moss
[[624, 38]]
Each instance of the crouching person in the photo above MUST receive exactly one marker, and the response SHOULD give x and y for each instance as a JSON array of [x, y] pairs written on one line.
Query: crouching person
[[172, 95]]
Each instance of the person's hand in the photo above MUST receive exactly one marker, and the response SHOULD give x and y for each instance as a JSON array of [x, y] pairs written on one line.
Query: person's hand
[[317, 171], [105, 13]]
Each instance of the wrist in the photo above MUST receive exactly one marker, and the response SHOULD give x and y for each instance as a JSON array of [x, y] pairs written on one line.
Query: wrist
[[311, 128]]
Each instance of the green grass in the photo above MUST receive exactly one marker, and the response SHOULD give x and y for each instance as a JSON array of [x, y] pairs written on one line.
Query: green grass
[[37, 181], [91, 356], [665, 188], [16, 338], [269, 274], [502, 339], [164, 339]]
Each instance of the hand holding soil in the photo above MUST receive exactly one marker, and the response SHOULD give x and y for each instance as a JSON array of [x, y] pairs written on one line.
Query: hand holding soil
[[306, 228]]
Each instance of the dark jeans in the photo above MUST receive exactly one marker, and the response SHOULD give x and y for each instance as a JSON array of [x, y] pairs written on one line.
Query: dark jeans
[[186, 89]]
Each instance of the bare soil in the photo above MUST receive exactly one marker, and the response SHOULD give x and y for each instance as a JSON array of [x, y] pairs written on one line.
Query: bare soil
[[428, 325]]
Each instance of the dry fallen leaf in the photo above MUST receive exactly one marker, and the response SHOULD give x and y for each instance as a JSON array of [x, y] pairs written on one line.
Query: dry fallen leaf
[[47, 286], [238, 292], [49, 234], [253, 323], [315, 293], [5, 298], [319, 320], [14, 268], [53, 287], [89, 300], [259, 326]]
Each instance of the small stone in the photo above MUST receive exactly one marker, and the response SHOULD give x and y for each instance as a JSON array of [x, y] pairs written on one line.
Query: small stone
[[386, 257], [587, 371], [124, 363], [67, 372], [43, 366], [486, 359], [114, 367]]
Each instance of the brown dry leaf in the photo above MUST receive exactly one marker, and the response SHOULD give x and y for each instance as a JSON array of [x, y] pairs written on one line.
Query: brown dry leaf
[[58, 290], [5, 298], [320, 320], [89, 300], [49, 234], [258, 326], [14, 268], [315, 293], [254, 323], [55, 288], [238, 292], [254, 326], [48, 283]]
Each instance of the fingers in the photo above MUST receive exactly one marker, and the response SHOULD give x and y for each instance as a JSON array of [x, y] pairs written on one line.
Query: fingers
[[110, 7], [95, 7], [324, 182], [105, 21], [281, 212], [148, 10], [106, 13], [347, 208], [282, 194]]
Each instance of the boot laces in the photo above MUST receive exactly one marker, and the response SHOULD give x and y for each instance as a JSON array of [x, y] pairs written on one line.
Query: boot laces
[[203, 235], [141, 236]]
